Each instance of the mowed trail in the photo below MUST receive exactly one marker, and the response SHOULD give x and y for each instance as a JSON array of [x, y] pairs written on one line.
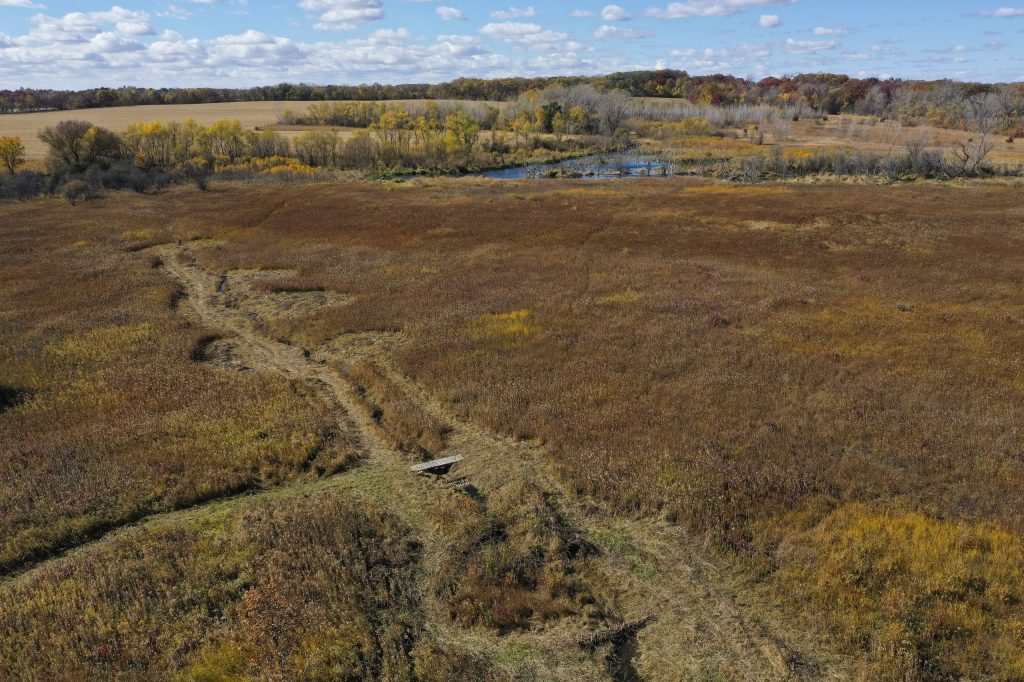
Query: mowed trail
[[704, 624]]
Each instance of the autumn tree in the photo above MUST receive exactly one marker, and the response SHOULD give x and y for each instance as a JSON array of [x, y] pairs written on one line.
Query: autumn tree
[[461, 133], [224, 139], [558, 127], [577, 121], [66, 141], [150, 144], [317, 148], [12, 153]]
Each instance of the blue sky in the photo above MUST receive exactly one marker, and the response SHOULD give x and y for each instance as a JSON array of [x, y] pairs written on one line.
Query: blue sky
[[238, 43]]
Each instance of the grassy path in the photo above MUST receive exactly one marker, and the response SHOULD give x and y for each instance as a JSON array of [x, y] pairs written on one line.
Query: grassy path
[[704, 624]]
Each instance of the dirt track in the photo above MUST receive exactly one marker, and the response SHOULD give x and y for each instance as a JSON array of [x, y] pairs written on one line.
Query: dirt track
[[703, 621]]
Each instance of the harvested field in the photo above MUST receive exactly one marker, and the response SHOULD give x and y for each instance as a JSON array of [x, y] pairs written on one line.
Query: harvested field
[[251, 114]]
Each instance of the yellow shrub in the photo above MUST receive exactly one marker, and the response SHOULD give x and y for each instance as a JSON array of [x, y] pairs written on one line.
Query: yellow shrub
[[923, 597], [511, 328], [101, 344]]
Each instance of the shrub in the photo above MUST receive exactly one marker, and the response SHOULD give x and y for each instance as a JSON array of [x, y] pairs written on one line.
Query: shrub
[[198, 171], [76, 191], [312, 588], [23, 186]]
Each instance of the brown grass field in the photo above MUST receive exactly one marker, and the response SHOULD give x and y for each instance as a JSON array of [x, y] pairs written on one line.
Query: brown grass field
[[710, 432], [879, 137]]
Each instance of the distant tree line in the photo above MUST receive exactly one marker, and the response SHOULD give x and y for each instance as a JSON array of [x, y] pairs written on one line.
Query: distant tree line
[[934, 101]]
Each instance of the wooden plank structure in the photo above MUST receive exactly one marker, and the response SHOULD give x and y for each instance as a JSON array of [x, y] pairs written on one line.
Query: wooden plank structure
[[438, 467]]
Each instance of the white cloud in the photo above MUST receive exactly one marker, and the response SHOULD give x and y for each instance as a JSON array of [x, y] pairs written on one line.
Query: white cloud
[[618, 32], [615, 13], [20, 3], [710, 8], [745, 58], [175, 12], [82, 26], [513, 13], [523, 33], [450, 14], [807, 46], [254, 48], [343, 15], [823, 31], [769, 21], [1009, 12], [89, 48]]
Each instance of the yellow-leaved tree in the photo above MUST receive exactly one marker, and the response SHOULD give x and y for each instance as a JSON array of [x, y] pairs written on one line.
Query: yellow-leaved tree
[[12, 153]]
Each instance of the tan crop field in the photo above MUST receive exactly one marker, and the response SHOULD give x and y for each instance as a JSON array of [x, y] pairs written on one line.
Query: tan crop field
[[709, 431], [251, 114]]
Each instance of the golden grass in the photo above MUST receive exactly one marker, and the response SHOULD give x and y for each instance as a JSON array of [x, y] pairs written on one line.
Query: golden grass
[[314, 587], [505, 329], [410, 428], [513, 565], [870, 135], [739, 191], [919, 596]]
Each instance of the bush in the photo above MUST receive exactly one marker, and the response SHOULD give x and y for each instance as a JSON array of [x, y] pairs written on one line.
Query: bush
[[198, 171], [23, 186], [76, 191]]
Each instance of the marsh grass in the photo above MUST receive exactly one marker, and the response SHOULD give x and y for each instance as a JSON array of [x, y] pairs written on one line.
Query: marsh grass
[[410, 428], [870, 358], [116, 420], [920, 596], [313, 587], [514, 563]]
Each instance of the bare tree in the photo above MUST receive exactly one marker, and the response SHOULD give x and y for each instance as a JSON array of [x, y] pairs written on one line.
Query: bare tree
[[875, 101], [612, 110], [1011, 104], [948, 96], [892, 132], [916, 147], [968, 154], [779, 127]]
